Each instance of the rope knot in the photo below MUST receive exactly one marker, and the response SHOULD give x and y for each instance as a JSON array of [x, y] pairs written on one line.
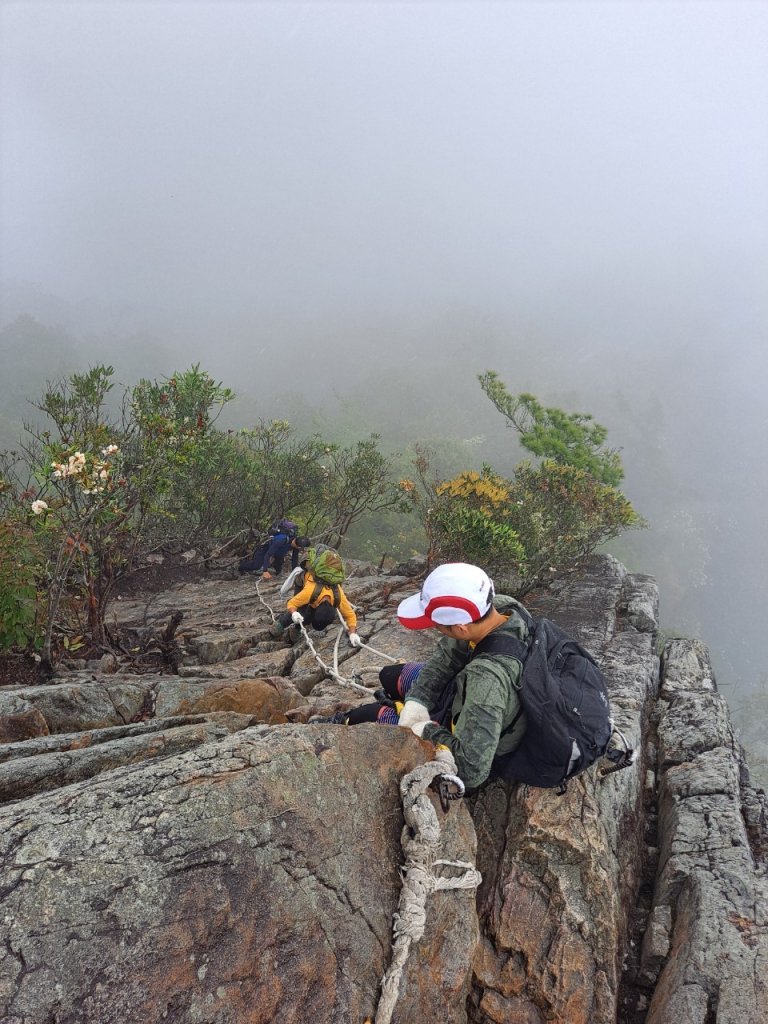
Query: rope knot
[[420, 841]]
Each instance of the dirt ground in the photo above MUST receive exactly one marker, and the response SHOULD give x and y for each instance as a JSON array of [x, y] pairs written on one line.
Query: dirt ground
[[149, 579], [18, 670], [21, 669]]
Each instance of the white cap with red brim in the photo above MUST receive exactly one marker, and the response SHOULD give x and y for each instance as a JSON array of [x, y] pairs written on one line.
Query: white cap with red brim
[[454, 594]]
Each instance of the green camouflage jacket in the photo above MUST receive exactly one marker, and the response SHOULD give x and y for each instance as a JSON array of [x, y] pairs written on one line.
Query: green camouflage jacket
[[486, 701]]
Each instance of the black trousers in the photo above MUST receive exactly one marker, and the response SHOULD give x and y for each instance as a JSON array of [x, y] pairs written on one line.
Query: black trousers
[[389, 677], [320, 617]]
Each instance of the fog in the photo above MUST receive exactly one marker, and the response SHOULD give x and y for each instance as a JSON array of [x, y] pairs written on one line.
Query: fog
[[363, 205]]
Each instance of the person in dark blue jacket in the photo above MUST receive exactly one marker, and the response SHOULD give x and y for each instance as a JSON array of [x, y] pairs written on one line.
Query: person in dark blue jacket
[[268, 558]]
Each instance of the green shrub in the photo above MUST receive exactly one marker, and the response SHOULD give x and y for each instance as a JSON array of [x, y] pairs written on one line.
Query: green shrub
[[542, 523], [20, 567], [561, 514]]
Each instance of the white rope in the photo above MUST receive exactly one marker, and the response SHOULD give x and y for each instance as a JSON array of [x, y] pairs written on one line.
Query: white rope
[[366, 646], [420, 841], [290, 580], [381, 654], [258, 594], [333, 672], [336, 652]]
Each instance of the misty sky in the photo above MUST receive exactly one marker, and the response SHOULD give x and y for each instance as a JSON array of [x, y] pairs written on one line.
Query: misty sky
[[574, 194], [227, 160]]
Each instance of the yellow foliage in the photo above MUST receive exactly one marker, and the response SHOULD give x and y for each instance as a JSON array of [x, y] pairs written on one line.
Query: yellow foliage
[[489, 490]]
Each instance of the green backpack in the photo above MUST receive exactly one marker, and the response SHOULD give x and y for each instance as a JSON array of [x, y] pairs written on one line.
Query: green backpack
[[326, 565]]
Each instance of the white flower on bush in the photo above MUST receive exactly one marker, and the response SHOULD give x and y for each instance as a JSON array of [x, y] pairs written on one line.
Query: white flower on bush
[[74, 465], [39, 506], [111, 449]]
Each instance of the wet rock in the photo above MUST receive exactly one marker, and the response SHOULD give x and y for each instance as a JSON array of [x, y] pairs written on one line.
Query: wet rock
[[267, 700], [20, 719], [80, 703], [413, 567]]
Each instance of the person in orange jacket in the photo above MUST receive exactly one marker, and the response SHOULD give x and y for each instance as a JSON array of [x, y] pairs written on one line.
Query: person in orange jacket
[[315, 605]]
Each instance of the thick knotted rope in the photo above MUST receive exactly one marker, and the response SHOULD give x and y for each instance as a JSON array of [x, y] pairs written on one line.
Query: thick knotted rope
[[420, 840], [421, 844]]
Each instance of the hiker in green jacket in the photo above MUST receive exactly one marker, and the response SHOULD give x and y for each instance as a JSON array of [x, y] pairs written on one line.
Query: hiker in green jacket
[[466, 703]]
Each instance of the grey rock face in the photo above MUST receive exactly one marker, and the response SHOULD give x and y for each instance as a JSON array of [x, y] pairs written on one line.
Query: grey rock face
[[185, 848], [224, 884], [42, 769], [711, 890]]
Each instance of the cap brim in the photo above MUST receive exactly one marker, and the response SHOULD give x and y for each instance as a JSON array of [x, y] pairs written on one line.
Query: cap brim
[[410, 613]]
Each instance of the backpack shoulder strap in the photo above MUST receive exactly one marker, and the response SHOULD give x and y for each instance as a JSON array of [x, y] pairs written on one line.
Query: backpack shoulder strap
[[319, 587], [502, 643]]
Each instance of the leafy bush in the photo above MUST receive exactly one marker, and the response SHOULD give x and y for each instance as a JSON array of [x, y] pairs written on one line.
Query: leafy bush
[[569, 439], [100, 482], [545, 521], [239, 482], [107, 479], [175, 435], [20, 564], [468, 522], [160, 473], [357, 482], [561, 514], [283, 475]]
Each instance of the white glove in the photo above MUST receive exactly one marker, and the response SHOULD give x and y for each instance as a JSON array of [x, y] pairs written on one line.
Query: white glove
[[419, 728], [412, 713], [354, 640], [444, 755], [298, 618]]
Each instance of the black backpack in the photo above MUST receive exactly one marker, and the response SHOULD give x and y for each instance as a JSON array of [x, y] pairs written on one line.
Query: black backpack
[[565, 700]]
